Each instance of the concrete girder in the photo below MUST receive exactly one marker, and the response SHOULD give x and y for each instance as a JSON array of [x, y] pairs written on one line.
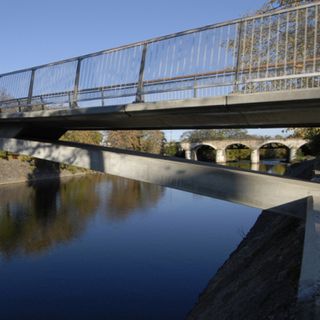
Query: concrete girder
[[296, 108], [249, 188]]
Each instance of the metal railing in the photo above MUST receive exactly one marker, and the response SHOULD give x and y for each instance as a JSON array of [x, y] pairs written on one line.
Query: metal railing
[[274, 51]]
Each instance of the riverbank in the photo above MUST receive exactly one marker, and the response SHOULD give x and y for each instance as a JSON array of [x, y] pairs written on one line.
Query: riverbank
[[27, 170], [260, 278]]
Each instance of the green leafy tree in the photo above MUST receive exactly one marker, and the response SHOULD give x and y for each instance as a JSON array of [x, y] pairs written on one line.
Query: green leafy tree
[[172, 149]]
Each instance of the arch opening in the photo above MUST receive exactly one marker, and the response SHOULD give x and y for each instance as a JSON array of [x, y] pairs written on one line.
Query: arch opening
[[206, 153], [274, 151], [237, 152], [305, 151]]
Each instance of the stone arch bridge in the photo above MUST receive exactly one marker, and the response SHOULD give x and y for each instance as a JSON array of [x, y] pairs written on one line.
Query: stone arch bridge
[[220, 146]]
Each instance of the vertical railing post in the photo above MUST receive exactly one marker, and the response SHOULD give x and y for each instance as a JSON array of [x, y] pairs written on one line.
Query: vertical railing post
[[30, 93], [237, 66], [74, 103], [195, 87], [139, 95]]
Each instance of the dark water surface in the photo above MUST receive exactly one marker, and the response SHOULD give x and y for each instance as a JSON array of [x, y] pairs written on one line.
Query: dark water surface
[[101, 247]]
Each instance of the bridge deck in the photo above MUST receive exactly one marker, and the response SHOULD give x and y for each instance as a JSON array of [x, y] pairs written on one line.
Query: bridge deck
[[274, 109], [274, 52]]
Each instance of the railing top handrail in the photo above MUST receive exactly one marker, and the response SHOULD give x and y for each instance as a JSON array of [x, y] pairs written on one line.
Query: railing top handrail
[[166, 37]]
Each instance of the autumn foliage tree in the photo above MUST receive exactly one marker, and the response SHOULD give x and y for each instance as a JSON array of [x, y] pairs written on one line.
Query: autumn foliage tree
[[275, 4], [213, 134], [137, 140], [88, 137]]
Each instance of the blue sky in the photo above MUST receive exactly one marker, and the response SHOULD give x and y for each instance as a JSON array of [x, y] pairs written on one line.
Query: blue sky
[[35, 32]]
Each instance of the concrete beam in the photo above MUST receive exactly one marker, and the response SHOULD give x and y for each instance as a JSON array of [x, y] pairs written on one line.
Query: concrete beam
[[270, 109], [244, 187], [309, 283]]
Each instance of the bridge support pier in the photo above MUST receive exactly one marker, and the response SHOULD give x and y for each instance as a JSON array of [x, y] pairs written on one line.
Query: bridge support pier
[[293, 154], [194, 155], [255, 166], [221, 156], [188, 154], [255, 156]]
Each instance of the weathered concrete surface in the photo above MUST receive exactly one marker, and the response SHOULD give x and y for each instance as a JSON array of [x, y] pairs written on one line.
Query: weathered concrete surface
[[309, 283], [271, 109], [263, 272], [253, 144], [293, 144], [249, 188], [259, 281]]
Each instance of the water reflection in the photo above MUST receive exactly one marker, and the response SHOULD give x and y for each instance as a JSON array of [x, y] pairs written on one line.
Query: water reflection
[[127, 196], [101, 258], [37, 217], [272, 167]]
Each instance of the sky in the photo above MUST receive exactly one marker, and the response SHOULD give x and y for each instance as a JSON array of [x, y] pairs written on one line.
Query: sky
[[36, 32]]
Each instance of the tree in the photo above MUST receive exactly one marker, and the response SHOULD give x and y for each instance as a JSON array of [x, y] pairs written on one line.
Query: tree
[[88, 137], [213, 134], [304, 133], [137, 140], [276, 4], [311, 134], [276, 46], [172, 149]]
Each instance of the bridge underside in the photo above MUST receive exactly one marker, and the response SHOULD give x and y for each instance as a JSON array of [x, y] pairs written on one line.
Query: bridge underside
[[274, 109]]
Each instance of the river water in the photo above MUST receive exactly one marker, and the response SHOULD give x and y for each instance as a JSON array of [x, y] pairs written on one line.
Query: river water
[[268, 166], [99, 247]]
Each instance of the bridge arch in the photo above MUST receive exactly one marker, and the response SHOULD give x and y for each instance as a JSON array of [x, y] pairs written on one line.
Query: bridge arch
[[274, 141], [204, 152], [237, 151], [226, 150], [274, 149], [303, 149]]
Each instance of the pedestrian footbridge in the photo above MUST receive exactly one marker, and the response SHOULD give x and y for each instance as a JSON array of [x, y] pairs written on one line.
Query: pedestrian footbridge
[[259, 71]]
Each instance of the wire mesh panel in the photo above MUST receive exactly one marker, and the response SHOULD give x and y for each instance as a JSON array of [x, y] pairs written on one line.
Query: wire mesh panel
[[111, 75], [198, 60], [280, 51], [54, 83], [14, 86]]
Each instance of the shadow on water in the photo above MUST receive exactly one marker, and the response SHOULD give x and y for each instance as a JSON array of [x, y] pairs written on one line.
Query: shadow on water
[[45, 213]]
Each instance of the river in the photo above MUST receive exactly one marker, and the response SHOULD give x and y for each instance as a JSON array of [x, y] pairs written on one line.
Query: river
[[101, 247]]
